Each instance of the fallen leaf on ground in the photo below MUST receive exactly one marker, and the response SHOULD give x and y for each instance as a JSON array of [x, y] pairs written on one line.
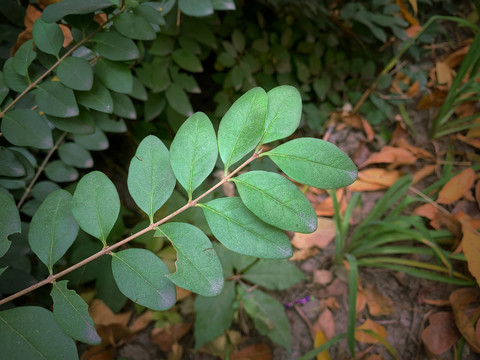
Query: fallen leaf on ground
[[325, 208], [361, 300], [337, 287], [322, 277], [444, 74], [471, 247], [477, 193], [441, 334], [449, 222], [182, 293], [422, 173], [426, 210], [413, 30], [475, 142], [368, 129], [361, 153], [111, 335], [466, 108], [378, 304], [217, 347], [364, 337], [378, 176], [436, 98], [413, 89], [102, 315], [391, 155], [253, 352], [353, 120], [319, 340], [361, 186], [454, 189], [418, 152], [474, 132], [456, 57], [141, 322], [303, 254], [330, 302], [320, 238], [165, 337], [460, 300], [175, 353], [325, 323]]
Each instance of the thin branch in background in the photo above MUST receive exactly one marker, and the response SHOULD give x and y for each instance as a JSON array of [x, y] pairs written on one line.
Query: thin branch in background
[[428, 199]]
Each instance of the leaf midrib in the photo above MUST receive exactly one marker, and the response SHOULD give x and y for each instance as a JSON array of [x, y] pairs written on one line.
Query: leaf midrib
[[270, 154]]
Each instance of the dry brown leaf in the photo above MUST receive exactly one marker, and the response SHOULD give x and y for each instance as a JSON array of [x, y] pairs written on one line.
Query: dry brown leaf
[[361, 300], [406, 13], [460, 300], [318, 340], [182, 293], [111, 335], [253, 352], [141, 322], [217, 346], [413, 89], [454, 189], [477, 193], [32, 14], [361, 153], [378, 304], [413, 30], [322, 277], [368, 129], [165, 337], [467, 108], [475, 142], [331, 303], [102, 315], [175, 353], [353, 120], [303, 254], [444, 74], [374, 357], [441, 333], [325, 208], [336, 288], [436, 98], [456, 57], [320, 238], [325, 323], [474, 132], [450, 223], [418, 152], [391, 155], [363, 337], [361, 186], [426, 210], [471, 247], [379, 176], [423, 173]]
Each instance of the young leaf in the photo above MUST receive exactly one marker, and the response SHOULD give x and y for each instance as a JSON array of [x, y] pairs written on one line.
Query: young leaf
[[71, 312], [187, 60], [268, 315], [23, 58], [31, 332], [274, 274], [142, 277], [76, 73], [114, 75], [134, 26], [113, 46], [54, 98], [214, 315], [47, 37], [242, 126], [241, 231], [57, 11], [314, 162], [96, 205], [150, 176], [284, 111], [53, 228], [198, 267], [75, 155], [98, 98], [193, 152], [24, 127], [276, 200], [9, 221], [196, 8]]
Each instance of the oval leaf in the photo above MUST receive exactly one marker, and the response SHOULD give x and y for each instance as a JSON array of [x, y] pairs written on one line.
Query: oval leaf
[[58, 10], [76, 73], [96, 205], [58, 171], [277, 201], [193, 152], [23, 58], [456, 187], [113, 46], [96, 141], [31, 332], [274, 274], [284, 111], [196, 8], [81, 124], [24, 127], [98, 98], [10, 165], [123, 106], [177, 98], [53, 228], [187, 60], [242, 126], [150, 176], [198, 267], [141, 276], [12, 79], [47, 37], [314, 162], [72, 314], [54, 98], [75, 155], [114, 75], [9, 221], [241, 231], [134, 26]]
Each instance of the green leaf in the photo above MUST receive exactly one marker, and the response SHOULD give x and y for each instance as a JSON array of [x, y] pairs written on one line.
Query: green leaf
[[196, 8], [71, 312], [31, 332], [322, 86], [142, 277], [9, 165], [24, 127], [193, 152], [162, 46], [57, 11], [123, 106], [242, 126], [134, 26], [4, 90], [151, 13], [113, 46], [9, 221], [178, 100], [274, 274], [76, 73], [214, 315], [106, 123], [241, 231], [98, 98], [277, 201], [197, 267], [47, 37], [58, 171], [223, 4], [12, 79], [81, 124], [54, 98], [187, 60], [53, 228], [41, 189], [114, 75], [284, 112], [150, 176], [314, 162], [96, 141], [138, 90], [23, 58], [96, 205], [75, 155], [268, 315]]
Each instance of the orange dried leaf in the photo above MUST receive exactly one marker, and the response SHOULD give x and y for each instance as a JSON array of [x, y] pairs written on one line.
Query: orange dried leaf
[[165, 337], [391, 155], [441, 333], [444, 74], [354, 120], [379, 176], [423, 173], [418, 152], [360, 186], [175, 353], [405, 13], [368, 129], [378, 304], [454, 189], [253, 352], [413, 89], [363, 337], [318, 341], [361, 300], [325, 323], [413, 30], [303, 254], [141, 322], [436, 98], [102, 315], [467, 140], [320, 238], [471, 248], [455, 58], [477, 193], [474, 131], [427, 210], [322, 277], [461, 300]]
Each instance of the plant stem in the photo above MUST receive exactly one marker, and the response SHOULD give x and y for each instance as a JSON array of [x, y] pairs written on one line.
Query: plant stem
[[109, 249], [40, 169]]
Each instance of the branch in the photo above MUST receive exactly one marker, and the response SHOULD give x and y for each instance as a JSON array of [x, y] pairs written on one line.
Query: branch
[[109, 249]]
